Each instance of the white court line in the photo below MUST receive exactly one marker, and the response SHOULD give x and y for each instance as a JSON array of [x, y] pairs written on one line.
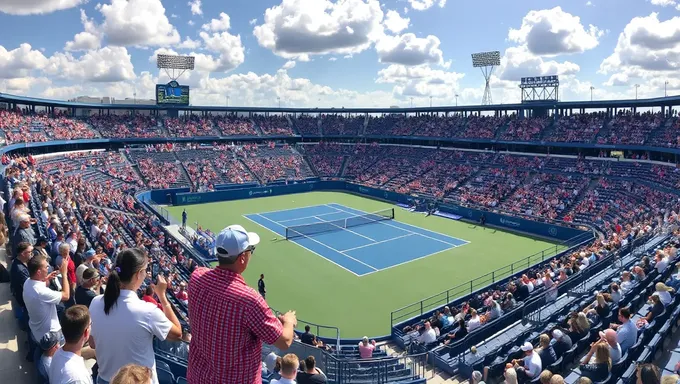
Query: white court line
[[310, 217], [292, 209], [378, 242], [415, 233], [412, 260], [329, 247], [302, 246], [343, 228], [408, 225]]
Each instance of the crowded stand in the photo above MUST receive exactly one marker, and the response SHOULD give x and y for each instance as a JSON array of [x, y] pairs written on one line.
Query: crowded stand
[[529, 129], [581, 128], [189, 126], [80, 210], [229, 125], [337, 125], [307, 125], [275, 125], [21, 127], [668, 135], [122, 126]]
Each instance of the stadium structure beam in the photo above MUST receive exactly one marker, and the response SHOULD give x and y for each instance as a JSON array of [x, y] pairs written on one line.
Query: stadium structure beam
[[172, 63], [486, 62]]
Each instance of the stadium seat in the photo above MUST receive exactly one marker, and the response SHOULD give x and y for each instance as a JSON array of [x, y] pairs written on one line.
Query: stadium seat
[[182, 380], [165, 376]]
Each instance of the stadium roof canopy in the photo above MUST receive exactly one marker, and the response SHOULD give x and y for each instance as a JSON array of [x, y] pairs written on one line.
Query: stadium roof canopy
[[603, 104]]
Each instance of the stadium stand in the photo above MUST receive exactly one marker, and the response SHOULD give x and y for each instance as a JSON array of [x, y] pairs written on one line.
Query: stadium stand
[[633, 202]]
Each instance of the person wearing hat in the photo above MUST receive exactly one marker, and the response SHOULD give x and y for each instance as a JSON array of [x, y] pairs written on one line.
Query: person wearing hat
[[561, 342], [230, 319], [477, 378], [49, 344], [87, 263], [89, 287], [530, 367]]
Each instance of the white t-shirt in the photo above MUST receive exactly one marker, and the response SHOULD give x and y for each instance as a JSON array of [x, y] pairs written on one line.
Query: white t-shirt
[[69, 368], [474, 323], [125, 335], [533, 365], [661, 265], [429, 336], [41, 305]]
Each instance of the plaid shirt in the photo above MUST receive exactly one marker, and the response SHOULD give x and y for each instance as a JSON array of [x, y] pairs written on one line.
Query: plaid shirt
[[229, 323]]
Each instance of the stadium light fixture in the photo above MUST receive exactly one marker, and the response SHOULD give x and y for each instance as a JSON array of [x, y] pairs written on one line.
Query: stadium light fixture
[[636, 90], [486, 61], [172, 63]]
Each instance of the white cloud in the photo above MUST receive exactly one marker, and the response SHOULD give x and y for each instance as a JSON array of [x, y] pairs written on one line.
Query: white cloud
[[253, 21], [90, 38], [297, 29], [109, 64], [422, 5], [30, 7], [647, 49], [195, 7], [229, 48], [408, 49], [23, 85], [137, 23], [663, 3], [420, 81], [551, 32], [218, 25], [188, 43], [190, 22], [144, 86], [20, 61], [518, 62], [394, 22], [332, 59], [289, 65], [174, 16]]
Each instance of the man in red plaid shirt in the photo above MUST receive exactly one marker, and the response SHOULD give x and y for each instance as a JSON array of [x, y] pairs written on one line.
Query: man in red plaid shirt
[[230, 320]]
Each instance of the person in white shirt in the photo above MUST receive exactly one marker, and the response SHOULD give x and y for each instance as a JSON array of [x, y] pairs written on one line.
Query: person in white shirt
[[289, 368], [661, 261], [89, 257], [531, 366], [123, 325], [40, 300], [429, 335], [474, 322], [664, 293], [68, 366]]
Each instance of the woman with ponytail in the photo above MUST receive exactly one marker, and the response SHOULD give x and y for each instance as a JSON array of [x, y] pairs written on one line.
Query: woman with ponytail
[[123, 326]]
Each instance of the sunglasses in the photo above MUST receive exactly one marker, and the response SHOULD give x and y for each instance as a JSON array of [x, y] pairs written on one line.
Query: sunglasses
[[224, 252]]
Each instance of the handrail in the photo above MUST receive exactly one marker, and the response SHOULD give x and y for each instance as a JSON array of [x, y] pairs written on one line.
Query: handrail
[[318, 327], [425, 305]]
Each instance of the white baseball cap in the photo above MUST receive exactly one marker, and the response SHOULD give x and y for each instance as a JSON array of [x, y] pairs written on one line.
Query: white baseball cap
[[527, 347], [233, 241]]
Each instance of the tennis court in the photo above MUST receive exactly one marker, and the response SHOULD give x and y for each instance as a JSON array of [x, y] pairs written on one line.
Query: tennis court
[[359, 242]]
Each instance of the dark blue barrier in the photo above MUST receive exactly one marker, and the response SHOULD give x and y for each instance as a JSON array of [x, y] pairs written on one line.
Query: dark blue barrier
[[512, 223], [227, 187], [160, 196]]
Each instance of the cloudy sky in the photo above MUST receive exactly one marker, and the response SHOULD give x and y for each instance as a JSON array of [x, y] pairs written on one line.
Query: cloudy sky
[[339, 52]]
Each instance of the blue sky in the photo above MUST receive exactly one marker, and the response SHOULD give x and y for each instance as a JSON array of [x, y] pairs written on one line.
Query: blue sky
[[338, 52]]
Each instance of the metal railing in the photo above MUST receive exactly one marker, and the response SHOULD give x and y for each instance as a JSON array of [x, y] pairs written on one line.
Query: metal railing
[[321, 331], [376, 371], [446, 297]]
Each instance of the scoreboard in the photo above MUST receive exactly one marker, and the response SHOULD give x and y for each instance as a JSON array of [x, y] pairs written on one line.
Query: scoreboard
[[172, 94]]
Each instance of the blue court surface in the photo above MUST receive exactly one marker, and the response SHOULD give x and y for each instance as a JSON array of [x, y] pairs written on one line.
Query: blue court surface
[[363, 249]]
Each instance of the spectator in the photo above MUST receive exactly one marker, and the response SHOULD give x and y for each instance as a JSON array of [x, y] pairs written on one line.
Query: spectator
[[148, 297], [133, 374], [261, 287], [648, 374], [67, 364], [578, 326], [87, 263], [545, 377], [90, 287], [123, 324], [656, 310], [312, 374], [229, 320], [626, 332], [23, 233], [664, 293], [18, 272], [366, 348], [510, 375], [41, 301], [530, 366], [289, 369], [477, 378], [609, 337], [546, 351], [562, 342], [49, 344], [557, 379], [309, 338]]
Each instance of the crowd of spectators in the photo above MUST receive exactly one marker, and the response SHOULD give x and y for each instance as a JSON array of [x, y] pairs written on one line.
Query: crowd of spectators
[[582, 128], [234, 126], [275, 125], [338, 125], [121, 126], [529, 129], [632, 129], [307, 125], [189, 126], [21, 126]]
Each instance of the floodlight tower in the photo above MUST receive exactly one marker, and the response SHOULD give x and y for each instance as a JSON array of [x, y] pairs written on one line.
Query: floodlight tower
[[486, 61], [175, 66]]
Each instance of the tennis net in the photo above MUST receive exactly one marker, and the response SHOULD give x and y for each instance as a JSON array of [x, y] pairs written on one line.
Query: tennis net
[[338, 225]]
